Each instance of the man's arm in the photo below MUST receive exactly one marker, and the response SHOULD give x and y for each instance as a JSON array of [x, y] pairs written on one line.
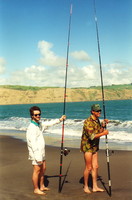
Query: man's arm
[[104, 132]]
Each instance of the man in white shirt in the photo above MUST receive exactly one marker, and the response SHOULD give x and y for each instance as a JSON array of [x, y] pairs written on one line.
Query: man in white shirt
[[36, 147]]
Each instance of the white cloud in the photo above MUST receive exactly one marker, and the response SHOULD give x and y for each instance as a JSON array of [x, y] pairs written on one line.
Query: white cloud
[[83, 76], [80, 55], [77, 76], [117, 73], [33, 72], [2, 65], [38, 76], [48, 56], [51, 72]]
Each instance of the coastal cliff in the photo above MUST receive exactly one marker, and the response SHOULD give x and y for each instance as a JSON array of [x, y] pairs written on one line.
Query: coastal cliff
[[29, 95]]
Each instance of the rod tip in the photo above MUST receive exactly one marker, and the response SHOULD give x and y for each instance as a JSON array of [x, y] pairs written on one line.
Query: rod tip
[[71, 9]]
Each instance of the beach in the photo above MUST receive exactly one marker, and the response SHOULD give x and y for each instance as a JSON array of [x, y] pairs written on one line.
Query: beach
[[16, 172]]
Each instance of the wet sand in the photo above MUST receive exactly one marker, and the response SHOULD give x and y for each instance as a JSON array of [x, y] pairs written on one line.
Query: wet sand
[[16, 172]]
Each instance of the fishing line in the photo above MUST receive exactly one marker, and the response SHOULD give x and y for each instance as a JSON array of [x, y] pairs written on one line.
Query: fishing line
[[65, 151], [103, 99]]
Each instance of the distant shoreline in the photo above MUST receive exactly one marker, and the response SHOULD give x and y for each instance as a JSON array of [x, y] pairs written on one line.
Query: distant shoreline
[[11, 95], [63, 101]]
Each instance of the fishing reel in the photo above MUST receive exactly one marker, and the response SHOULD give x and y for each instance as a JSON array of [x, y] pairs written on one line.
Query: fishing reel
[[65, 151]]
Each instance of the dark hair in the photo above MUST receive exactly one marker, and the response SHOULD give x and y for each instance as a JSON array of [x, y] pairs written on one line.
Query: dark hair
[[32, 109]]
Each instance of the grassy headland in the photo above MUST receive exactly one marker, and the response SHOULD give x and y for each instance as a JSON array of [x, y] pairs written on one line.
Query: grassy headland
[[16, 94]]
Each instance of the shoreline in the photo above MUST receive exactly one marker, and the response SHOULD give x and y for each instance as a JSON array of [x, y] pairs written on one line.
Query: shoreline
[[52, 102], [9, 104], [16, 170], [69, 142]]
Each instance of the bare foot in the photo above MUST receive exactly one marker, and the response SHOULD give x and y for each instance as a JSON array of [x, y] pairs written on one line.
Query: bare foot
[[97, 189], [86, 190], [44, 189], [37, 191]]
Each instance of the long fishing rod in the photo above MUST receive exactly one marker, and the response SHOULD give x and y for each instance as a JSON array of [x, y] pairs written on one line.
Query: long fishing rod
[[103, 99], [64, 105]]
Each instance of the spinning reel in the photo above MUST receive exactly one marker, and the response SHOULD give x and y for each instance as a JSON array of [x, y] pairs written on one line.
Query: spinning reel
[[65, 151]]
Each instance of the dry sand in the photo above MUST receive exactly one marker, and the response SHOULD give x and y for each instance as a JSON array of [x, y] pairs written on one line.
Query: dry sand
[[16, 172]]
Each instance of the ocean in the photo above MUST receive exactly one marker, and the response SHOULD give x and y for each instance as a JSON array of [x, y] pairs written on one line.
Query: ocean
[[14, 120]]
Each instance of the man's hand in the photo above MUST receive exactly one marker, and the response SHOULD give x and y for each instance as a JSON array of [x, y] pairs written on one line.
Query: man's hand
[[105, 132], [63, 117], [104, 122]]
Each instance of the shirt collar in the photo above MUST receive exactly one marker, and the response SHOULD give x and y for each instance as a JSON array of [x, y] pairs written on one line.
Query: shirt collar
[[37, 124], [92, 117]]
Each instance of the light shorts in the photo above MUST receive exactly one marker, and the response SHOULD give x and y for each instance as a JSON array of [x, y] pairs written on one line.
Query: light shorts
[[34, 162]]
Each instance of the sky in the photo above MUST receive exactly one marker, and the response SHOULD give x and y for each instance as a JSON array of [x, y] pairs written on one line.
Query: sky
[[34, 42]]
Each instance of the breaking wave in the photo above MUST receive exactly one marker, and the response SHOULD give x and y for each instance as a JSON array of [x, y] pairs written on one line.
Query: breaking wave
[[119, 131]]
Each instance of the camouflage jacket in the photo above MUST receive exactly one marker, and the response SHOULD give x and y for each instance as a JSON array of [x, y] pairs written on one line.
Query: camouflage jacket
[[91, 127]]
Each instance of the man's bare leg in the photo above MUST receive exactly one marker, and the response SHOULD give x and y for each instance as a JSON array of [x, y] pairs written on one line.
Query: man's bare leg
[[41, 177], [35, 179], [95, 173], [87, 170]]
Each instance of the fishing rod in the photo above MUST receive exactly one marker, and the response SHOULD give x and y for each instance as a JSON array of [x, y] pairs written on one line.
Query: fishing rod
[[103, 99], [64, 151]]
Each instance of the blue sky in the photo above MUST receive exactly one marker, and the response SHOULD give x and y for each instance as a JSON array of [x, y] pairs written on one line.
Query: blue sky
[[33, 42]]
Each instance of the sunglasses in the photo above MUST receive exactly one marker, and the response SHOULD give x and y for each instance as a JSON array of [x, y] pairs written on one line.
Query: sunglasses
[[98, 111], [37, 115]]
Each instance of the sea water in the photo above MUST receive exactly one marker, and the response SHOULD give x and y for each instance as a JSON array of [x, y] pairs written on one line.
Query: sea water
[[14, 120]]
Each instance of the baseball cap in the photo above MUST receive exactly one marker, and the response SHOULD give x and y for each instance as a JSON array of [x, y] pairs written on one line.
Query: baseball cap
[[95, 107]]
